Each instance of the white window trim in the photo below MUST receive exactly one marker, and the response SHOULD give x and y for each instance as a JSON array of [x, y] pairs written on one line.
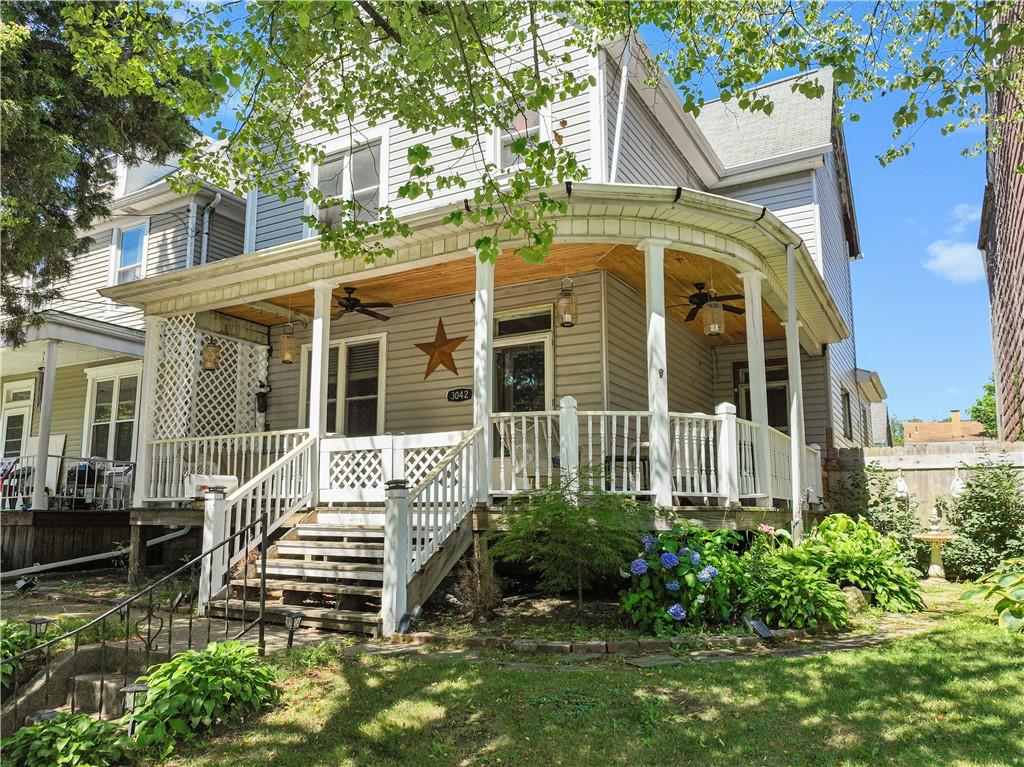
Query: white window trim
[[340, 144], [113, 266], [27, 408], [493, 148], [744, 388], [108, 373], [339, 406]]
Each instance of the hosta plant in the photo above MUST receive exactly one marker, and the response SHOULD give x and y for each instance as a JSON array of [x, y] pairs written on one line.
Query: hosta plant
[[67, 740], [1004, 587], [198, 689], [15, 638]]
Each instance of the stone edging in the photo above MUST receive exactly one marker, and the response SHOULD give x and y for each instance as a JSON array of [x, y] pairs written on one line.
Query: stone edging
[[592, 647]]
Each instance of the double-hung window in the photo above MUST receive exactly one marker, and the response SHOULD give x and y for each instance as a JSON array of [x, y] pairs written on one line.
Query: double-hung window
[[131, 246], [111, 416], [847, 414], [353, 174], [525, 125]]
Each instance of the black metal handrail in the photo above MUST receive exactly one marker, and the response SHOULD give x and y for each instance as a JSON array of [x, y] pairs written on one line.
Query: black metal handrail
[[123, 611]]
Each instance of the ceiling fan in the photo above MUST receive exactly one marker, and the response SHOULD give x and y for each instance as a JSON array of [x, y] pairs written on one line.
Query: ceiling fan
[[348, 304], [701, 297]]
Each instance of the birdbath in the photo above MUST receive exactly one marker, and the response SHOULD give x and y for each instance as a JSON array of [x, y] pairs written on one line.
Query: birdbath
[[937, 538]]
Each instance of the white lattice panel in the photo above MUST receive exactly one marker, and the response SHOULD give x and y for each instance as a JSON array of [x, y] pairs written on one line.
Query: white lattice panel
[[420, 461], [358, 470], [172, 399], [217, 391]]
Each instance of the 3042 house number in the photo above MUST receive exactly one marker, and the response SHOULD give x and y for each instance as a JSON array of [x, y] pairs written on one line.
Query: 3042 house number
[[460, 394]]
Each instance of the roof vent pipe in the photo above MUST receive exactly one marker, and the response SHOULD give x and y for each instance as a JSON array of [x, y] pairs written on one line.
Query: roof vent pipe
[[207, 213], [623, 85]]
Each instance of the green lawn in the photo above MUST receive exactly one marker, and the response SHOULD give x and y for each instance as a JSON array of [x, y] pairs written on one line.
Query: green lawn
[[953, 696]]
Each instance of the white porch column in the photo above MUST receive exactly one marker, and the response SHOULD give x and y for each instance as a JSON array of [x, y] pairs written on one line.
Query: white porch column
[[796, 396], [45, 418], [758, 380], [319, 354], [657, 370], [483, 341], [147, 405]]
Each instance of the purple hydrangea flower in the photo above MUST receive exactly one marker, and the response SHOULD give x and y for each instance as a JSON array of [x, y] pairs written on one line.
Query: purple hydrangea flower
[[694, 558], [672, 585], [649, 541], [669, 560], [638, 566], [677, 611], [707, 574]]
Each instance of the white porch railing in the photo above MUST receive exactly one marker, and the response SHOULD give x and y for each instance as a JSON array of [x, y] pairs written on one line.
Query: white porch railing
[[695, 438], [779, 448], [746, 457], [282, 488], [244, 456], [72, 483], [812, 472], [526, 450], [616, 443], [355, 469]]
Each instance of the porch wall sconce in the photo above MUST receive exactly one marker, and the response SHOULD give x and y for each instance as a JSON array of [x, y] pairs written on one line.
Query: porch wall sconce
[[262, 390], [566, 309], [714, 318], [288, 346], [210, 356]]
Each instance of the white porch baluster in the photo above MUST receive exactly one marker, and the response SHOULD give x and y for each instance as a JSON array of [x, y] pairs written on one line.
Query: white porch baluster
[[796, 398], [758, 381], [45, 418], [659, 451], [483, 337], [321, 339]]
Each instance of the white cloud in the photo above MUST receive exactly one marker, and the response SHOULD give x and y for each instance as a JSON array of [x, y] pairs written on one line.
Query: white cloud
[[964, 214], [958, 262]]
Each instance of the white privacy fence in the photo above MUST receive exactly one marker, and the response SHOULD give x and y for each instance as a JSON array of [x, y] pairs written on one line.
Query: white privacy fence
[[174, 463]]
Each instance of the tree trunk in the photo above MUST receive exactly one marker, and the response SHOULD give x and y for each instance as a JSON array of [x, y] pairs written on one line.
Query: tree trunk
[[579, 593]]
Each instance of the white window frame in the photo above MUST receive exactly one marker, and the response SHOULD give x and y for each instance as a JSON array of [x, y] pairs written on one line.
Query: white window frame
[[744, 388], [26, 407], [111, 373], [494, 141], [345, 144], [342, 345], [115, 248], [546, 337]]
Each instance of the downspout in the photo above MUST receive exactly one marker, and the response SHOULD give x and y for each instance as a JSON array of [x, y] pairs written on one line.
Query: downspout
[[207, 213], [190, 245], [623, 86]]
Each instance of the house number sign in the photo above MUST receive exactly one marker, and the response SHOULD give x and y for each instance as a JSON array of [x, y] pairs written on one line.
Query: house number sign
[[460, 394]]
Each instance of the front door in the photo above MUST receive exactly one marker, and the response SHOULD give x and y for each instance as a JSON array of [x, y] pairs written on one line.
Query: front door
[[16, 418]]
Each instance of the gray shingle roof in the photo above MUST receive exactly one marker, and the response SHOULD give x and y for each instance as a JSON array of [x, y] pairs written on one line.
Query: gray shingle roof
[[739, 137]]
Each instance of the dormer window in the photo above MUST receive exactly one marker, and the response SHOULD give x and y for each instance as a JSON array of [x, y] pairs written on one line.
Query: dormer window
[[352, 174]]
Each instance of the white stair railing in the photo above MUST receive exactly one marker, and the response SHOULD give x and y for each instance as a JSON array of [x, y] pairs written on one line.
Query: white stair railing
[[279, 490]]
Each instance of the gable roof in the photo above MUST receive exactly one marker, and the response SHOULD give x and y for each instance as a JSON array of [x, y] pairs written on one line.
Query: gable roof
[[797, 123]]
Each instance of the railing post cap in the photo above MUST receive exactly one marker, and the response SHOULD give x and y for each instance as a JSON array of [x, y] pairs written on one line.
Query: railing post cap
[[396, 484], [725, 408], [567, 401]]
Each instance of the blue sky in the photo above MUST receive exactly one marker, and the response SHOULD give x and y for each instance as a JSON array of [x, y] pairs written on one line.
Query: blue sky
[[920, 297]]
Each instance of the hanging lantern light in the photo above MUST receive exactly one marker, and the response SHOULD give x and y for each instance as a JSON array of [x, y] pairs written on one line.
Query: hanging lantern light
[[902, 491], [714, 317], [957, 486], [288, 346], [210, 356], [565, 306]]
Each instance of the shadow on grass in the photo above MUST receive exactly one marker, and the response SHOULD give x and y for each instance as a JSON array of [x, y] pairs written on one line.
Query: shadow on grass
[[951, 697]]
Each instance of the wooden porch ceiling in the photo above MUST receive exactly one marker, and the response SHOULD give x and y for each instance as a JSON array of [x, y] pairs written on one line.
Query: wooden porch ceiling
[[682, 270]]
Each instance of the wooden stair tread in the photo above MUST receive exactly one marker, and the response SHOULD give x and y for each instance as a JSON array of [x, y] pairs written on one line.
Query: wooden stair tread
[[321, 613], [356, 545], [274, 584], [325, 566]]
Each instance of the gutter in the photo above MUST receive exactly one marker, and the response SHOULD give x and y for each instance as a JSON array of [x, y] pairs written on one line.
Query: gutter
[[207, 214]]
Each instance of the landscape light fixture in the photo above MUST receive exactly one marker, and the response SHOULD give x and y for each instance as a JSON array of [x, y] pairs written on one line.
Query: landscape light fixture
[[134, 695], [39, 625], [292, 620]]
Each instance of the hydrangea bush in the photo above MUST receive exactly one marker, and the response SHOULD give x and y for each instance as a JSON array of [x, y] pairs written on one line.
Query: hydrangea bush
[[687, 575]]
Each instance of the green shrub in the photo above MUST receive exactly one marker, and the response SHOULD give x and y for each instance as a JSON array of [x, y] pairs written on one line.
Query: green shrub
[[891, 515], [850, 553], [987, 520], [200, 688], [67, 740], [569, 546], [15, 638], [687, 575], [785, 594], [1004, 586]]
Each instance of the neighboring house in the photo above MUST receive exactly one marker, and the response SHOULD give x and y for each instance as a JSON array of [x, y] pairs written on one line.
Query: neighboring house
[[76, 380], [1002, 240], [953, 430], [474, 381], [881, 429]]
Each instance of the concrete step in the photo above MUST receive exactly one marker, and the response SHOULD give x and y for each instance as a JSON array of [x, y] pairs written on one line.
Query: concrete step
[[87, 688], [350, 549], [296, 568], [317, 617], [312, 587]]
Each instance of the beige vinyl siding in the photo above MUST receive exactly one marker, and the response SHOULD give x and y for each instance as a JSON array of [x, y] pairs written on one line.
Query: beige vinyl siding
[[70, 389], [815, 383], [415, 405], [167, 248], [690, 365], [647, 154]]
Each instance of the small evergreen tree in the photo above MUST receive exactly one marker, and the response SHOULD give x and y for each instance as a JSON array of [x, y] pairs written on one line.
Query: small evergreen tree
[[570, 546]]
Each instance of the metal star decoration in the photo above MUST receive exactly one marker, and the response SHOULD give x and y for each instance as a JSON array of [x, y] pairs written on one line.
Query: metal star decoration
[[440, 352]]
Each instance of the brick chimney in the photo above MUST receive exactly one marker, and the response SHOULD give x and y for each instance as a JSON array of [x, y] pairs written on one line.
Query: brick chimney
[[956, 424]]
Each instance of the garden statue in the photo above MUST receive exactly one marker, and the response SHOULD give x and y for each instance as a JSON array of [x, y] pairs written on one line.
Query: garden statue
[[937, 537]]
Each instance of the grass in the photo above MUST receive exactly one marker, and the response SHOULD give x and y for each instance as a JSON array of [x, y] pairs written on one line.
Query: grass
[[948, 697]]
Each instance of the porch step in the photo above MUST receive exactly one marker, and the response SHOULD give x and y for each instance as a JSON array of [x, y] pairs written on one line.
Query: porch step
[[364, 571], [317, 617], [344, 518], [319, 530], [313, 587], [330, 549], [88, 697]]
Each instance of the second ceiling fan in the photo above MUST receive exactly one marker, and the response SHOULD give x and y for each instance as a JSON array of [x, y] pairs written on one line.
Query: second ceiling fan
[[702, 297], [349, 304]]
